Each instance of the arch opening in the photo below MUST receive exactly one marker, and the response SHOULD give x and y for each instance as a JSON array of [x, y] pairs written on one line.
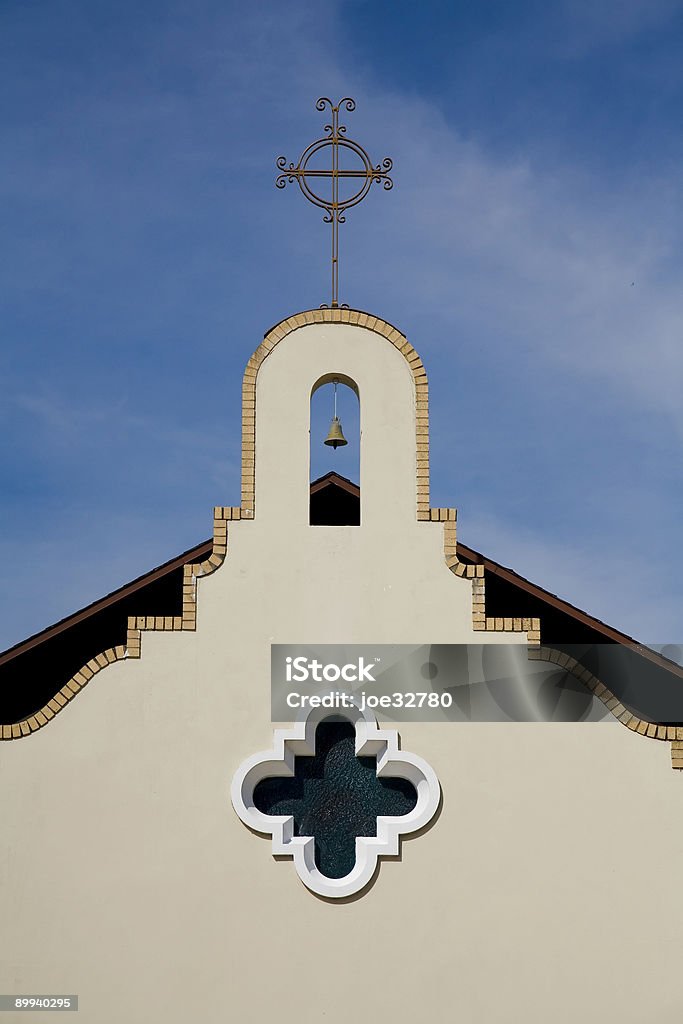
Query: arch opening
[[334, 498]]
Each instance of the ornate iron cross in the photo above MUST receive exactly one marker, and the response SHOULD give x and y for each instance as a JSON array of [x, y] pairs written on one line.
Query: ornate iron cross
[[363, 174]]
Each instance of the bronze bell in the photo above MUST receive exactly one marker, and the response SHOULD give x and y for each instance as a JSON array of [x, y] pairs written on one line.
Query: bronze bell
[[335, 436]]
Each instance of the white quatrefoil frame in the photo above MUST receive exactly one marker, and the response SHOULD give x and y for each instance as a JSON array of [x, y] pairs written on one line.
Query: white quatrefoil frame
[[371, 741]]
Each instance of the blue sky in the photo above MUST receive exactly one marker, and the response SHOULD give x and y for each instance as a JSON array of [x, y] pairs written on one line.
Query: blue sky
[[531, 249]]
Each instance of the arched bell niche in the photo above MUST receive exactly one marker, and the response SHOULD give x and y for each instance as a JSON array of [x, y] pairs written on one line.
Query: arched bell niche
[[334, 469]]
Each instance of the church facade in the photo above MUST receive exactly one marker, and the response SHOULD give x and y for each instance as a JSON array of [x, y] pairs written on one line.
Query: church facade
[[531, 876]]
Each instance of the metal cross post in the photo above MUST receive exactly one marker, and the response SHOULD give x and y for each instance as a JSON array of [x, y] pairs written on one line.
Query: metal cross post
[[334, 207]]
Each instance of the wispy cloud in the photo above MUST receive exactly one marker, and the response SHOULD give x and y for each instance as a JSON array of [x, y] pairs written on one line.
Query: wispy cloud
[[576, 272]]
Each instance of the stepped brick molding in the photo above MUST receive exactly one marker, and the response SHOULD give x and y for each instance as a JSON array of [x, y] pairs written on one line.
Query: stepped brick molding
[[448, 516], [136, 627], [480, 621]]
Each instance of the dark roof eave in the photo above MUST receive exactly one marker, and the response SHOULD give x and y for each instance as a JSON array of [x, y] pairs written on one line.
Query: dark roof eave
[[195, 554], [201, 551], [611, 634]]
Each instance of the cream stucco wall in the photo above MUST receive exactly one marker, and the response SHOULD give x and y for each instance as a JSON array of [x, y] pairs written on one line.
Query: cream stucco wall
[[546, 890]]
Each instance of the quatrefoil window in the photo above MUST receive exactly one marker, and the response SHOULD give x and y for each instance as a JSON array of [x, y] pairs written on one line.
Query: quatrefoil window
[[335, 796], [335, 793]]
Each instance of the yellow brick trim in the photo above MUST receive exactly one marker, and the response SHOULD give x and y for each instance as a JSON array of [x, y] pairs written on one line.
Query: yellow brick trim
[[532, 627], [136, 626], [652, 730], [476, 573], [356, 318]]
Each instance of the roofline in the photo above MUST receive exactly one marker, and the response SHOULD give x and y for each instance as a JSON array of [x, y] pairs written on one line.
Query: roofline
[[195, 554], [336, 479], [201, 551], [609, 632], [552, 599]]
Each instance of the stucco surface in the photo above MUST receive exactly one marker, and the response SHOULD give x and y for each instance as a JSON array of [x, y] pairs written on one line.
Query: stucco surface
[[547, 889]]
